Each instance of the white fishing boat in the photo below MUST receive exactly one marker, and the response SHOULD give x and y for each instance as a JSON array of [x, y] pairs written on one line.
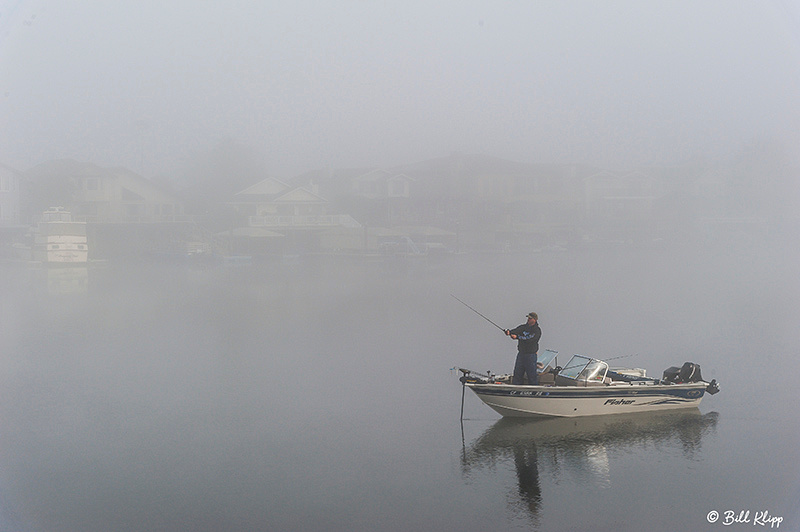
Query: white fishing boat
[[59, 240], [587, 386]]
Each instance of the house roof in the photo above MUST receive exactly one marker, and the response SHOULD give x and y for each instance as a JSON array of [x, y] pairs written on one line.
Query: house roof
[[379, 174], [299, 195], [272, 190], [70, 168], [267, 187], [6, 168]]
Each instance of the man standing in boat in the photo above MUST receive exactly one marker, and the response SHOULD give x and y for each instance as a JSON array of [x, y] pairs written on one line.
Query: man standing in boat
[[527, 336]]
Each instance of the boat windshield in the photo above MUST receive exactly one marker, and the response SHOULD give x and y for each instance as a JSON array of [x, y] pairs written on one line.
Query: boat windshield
[[546, 360], [584, 368], [594, 371]]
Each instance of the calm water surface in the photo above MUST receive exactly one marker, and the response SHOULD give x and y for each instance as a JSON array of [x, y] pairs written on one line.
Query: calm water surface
[[318, 394]]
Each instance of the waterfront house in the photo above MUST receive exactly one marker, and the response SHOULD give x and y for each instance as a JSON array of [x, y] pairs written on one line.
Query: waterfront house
[[296, 212], [10, 198]]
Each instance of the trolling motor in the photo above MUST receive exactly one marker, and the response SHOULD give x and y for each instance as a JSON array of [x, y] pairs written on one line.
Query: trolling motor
[[467, 376]]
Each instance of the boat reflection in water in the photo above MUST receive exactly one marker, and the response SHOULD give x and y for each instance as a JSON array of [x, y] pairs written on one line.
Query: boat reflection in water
[[65, 281], [579, 447]]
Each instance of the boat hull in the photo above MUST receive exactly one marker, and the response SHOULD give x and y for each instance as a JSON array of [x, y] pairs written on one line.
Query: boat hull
[[61, 251], [572, 401], [61, 243]]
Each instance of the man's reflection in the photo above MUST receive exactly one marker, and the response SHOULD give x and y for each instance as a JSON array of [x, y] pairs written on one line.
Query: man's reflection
[[527, 466]]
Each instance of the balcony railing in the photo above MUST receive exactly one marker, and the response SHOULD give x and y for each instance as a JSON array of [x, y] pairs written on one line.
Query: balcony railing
[[310, 221], [135, 219]]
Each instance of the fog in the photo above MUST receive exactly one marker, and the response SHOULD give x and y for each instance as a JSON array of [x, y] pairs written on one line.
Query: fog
[[628, 170], [149, 86]]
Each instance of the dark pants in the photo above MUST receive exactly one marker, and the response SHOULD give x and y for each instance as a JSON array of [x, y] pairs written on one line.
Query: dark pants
[[525, 363]]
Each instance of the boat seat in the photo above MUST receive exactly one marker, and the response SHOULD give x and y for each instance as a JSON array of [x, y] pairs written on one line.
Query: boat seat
[[563, 381], [546, 378]]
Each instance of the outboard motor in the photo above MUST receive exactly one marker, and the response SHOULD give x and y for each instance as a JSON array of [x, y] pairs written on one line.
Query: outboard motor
[[671, 375], [689, 372]]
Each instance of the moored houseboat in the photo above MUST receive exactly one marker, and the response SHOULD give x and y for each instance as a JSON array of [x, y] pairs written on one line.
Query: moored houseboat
[[59, 240]]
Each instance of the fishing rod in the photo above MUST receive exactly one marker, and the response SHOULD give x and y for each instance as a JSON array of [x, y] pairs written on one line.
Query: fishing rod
[[599, 359], [621, 356], [466, 371], [478, 313]]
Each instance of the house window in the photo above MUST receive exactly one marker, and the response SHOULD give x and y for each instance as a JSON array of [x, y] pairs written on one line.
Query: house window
[[527, 185], [397, 188], [89, 209], [369, 188], [129, 195], [134, 210]]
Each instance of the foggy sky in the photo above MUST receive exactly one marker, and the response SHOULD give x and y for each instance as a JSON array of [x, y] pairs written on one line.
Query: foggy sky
[[149, 85]]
